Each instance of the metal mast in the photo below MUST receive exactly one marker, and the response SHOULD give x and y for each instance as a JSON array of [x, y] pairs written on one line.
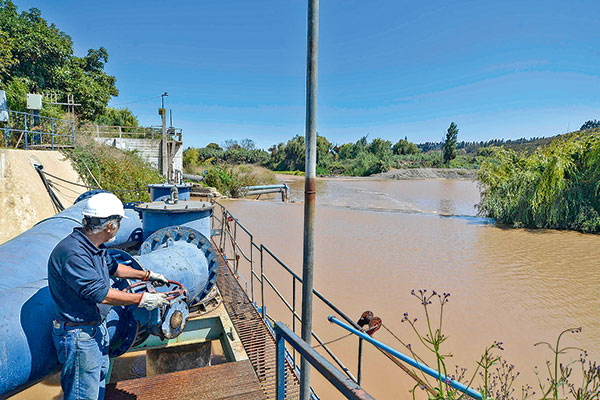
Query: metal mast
[[309, 187]]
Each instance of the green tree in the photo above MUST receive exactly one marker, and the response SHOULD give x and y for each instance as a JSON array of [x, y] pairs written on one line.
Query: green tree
[[380, 148], [591, 124], [449, 149], [41, 59], [404, 147], [214, 146], [117, 116]]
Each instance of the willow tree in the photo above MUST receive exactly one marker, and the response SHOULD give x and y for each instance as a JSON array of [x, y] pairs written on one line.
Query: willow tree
[[556, 187]]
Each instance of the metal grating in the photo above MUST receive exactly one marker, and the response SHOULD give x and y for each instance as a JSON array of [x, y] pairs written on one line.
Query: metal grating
[[257, 339], [234, 380]]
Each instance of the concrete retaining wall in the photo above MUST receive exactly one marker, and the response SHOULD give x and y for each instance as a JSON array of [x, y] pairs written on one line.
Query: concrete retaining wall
[[148, 149]]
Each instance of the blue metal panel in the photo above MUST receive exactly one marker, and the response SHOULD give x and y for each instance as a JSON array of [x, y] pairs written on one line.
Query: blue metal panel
[[160, 214], [162, 191], [156, 220]]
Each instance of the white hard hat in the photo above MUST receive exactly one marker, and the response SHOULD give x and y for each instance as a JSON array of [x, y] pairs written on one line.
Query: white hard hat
[[103, 205]]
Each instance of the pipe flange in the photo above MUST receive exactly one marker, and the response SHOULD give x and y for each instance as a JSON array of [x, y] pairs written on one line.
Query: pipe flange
[[122, 257], [174, 319], [89, 194], [164, 236], [129, 332]]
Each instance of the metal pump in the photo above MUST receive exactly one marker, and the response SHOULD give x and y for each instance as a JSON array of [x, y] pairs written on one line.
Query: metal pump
[[176, 244]]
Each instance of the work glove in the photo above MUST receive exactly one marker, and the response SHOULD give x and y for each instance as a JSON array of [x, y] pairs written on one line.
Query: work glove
[[150, 301], [158, 279]]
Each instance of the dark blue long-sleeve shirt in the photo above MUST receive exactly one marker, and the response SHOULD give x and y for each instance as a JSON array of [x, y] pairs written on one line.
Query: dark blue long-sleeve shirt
[[78, 277]]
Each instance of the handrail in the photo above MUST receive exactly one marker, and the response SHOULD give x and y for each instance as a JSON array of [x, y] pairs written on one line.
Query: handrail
[[227, 232], [426, 369], [24, 125], [344, 384]]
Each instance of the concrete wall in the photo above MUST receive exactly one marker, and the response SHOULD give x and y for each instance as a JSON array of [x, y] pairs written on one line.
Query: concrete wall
[[24, 200], [148, 149]]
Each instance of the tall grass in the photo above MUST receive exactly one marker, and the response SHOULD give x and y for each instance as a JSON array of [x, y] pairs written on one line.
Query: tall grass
[[124, 173], [557, 186]]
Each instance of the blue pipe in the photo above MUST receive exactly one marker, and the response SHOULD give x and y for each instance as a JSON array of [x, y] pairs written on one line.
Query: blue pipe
[[429, 371], [24, 258], [183, 254], [27, 353]]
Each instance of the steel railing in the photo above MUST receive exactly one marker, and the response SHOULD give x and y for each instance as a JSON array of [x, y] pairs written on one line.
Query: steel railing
[[349, 388], [227, 228], [30, 130], [134, 132], [227, 231]]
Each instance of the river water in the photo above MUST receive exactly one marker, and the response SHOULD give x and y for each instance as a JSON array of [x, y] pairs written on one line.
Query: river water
[[378, 239]]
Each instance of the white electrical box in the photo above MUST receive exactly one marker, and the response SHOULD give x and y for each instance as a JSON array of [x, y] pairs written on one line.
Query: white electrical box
[[3, 107], [34, 101]]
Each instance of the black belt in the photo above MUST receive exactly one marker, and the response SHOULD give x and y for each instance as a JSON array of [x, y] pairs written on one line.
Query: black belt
[[67, 323]]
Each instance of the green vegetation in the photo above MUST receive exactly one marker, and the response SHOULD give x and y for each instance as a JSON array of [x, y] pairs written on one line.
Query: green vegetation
[[37, 57], [121, 172], [117, 117], [493, 376], [361, 158], [227, 170], [591, 124], [558, 186]]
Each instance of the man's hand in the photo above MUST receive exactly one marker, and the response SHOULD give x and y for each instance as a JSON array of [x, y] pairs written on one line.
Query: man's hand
[[157, 278], [150, 301]]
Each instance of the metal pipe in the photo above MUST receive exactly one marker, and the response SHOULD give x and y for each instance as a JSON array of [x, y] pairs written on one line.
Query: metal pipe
[[309, 188], [263, 187], [426, 369], [24, 259]]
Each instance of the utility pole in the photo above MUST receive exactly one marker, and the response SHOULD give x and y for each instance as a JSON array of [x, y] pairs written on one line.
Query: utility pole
[[164, 149], [312, 52]]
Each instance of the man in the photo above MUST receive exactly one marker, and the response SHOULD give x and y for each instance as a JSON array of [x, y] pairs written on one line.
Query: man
[[78, 278]]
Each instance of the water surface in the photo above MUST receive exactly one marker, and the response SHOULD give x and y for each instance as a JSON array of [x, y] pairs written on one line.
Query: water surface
[[378, 239]]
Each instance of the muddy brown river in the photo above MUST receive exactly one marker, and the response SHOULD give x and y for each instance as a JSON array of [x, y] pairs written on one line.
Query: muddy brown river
[[378, 239]]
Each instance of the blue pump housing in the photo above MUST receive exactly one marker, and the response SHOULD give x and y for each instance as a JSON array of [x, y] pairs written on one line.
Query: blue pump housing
[[162, 191]]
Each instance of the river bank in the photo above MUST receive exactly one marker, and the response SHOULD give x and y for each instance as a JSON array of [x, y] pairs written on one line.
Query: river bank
[[428, 173]]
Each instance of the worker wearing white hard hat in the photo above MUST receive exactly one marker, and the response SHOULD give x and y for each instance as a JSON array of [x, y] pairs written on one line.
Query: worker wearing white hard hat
[[79, 282]]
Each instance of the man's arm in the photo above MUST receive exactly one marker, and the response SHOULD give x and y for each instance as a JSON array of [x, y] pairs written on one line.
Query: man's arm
[[116, 297], [123, 271]]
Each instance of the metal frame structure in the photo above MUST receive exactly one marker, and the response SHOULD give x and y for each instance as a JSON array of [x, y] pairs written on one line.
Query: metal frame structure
[[26, 124]]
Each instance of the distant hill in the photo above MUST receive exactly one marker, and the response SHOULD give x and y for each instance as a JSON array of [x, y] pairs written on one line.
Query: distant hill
[[519, 145]]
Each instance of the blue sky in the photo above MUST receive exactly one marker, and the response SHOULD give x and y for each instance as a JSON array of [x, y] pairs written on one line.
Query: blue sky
[[236, 69]]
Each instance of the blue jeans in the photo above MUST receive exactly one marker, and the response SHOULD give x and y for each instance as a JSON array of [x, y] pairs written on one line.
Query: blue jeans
[[83, 353]]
